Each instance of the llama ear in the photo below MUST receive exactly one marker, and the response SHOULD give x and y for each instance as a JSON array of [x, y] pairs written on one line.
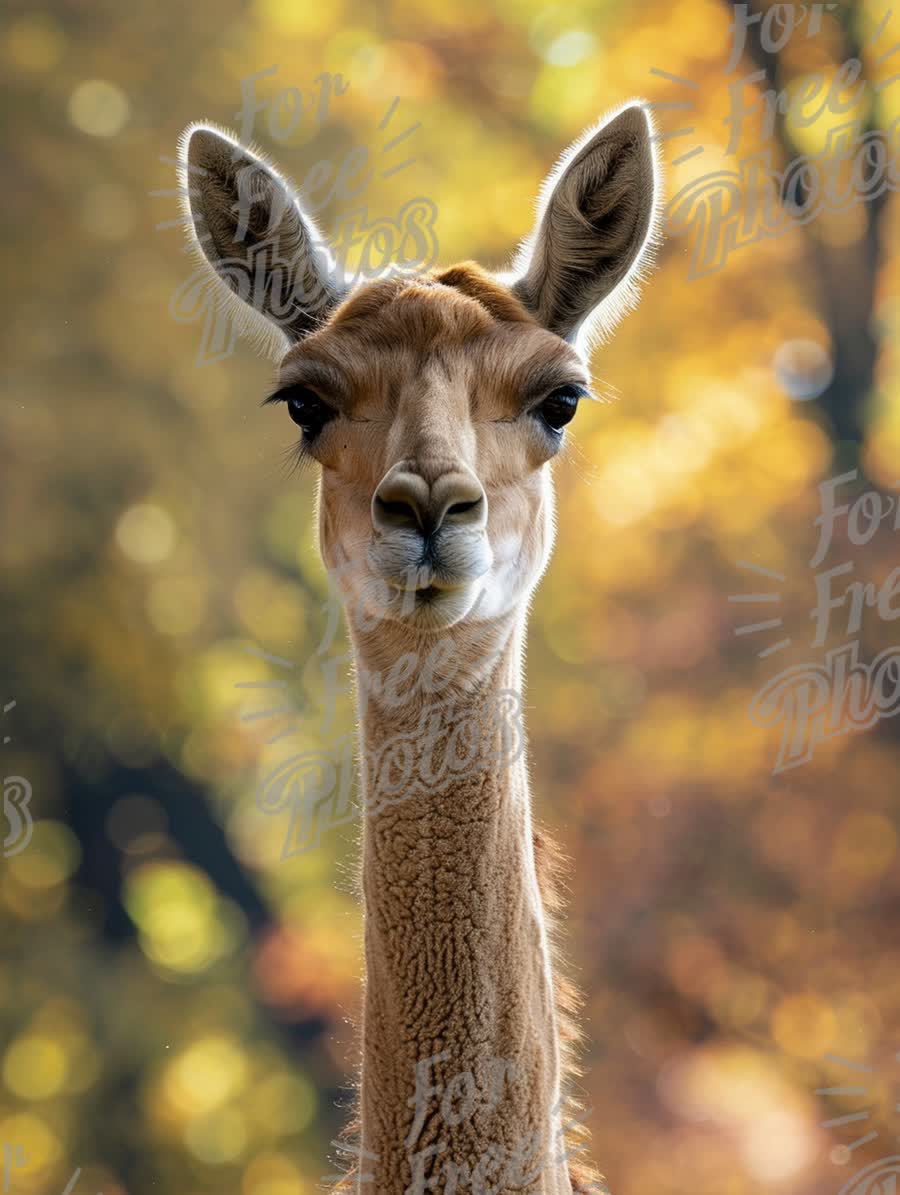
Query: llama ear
[[250, 227], [595, 229]]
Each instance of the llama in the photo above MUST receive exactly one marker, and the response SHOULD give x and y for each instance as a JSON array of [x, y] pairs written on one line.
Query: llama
[[433, 406]]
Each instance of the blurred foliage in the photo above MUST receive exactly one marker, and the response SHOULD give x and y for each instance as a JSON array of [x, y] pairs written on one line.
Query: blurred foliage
[[175, 1002]]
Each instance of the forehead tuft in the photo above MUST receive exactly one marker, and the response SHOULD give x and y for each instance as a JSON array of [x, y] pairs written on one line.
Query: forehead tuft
[[446, 307], [475, 283]]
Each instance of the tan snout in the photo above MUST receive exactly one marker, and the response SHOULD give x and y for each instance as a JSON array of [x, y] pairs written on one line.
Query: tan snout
[[406, 501]]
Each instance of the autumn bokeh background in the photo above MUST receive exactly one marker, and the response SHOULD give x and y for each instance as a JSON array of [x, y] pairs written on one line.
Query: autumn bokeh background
[[174, 999]]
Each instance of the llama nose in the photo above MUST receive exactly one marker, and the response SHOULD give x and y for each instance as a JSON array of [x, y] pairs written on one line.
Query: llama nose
[[405, 501]]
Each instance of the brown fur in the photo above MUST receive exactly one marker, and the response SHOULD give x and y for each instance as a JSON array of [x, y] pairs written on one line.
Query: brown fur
[[550, 861], [583, 1174]]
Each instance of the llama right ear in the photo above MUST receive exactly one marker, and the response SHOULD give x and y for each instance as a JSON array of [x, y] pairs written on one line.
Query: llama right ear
[[250, 227], [596, 226]]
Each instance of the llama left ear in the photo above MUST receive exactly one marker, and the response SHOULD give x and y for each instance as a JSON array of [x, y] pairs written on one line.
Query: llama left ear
[[595, 230], [251, 228]]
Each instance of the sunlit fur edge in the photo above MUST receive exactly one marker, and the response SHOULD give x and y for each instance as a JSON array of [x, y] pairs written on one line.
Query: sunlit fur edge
[[602, 321], [267, 338]]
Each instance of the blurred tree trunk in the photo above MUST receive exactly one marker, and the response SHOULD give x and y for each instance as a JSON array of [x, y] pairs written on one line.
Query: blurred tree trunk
[[845, 276]]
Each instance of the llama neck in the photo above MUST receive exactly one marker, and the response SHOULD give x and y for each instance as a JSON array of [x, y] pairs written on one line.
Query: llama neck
[[461, 1065]]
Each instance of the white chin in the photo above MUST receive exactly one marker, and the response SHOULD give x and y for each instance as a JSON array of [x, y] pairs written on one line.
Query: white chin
[[431, 609]]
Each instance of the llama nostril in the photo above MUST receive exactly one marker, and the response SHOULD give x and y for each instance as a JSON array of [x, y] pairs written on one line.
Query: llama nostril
[[461, 508], [401, 502], [395, 513], [402, 509], [458, 498], [468, 513]]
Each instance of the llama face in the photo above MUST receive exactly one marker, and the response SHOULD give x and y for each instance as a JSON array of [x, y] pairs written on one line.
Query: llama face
[[433, 405], [433, 408]]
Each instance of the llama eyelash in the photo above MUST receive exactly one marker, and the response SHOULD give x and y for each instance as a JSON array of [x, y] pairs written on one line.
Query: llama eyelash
[[296, 458]]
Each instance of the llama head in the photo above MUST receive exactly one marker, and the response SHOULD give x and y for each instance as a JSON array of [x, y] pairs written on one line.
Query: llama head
[[433, 404]]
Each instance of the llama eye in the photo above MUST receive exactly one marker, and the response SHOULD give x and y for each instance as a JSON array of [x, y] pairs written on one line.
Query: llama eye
[[306, 409], [559, 408]]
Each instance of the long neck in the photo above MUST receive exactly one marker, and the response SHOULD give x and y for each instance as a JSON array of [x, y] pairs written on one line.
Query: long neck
[[461, 1060]]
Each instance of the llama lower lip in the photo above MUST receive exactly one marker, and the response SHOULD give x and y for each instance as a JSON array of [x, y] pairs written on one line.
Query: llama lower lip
[[423, 596], [429, 586], [431, 602]]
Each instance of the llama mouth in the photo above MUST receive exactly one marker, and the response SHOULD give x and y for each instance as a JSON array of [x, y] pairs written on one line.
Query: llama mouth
[[431, 593], [431, 606], [410, 565], [428, 595], [426, 584]]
